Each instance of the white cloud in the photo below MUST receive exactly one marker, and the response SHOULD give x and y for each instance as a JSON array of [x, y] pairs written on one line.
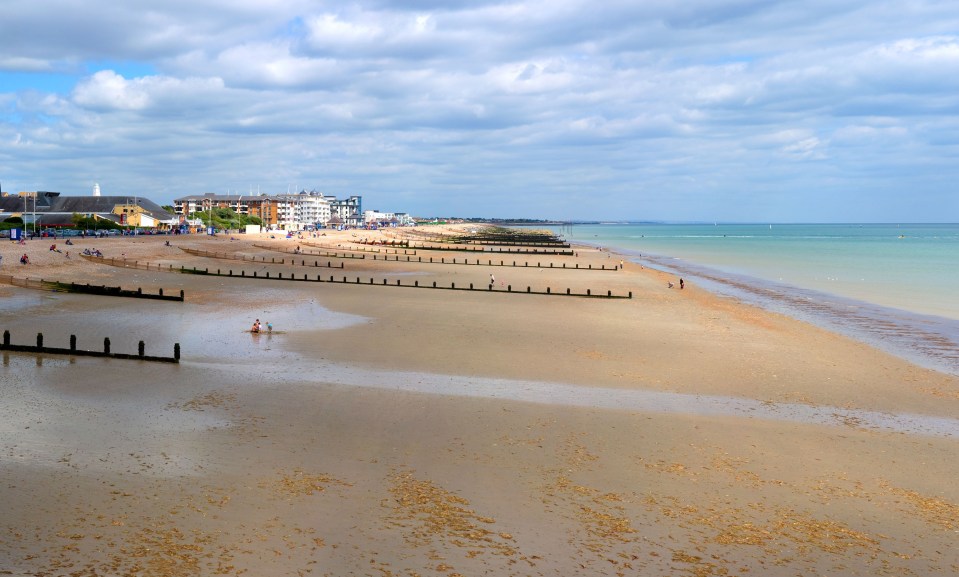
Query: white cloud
[[108, 90]]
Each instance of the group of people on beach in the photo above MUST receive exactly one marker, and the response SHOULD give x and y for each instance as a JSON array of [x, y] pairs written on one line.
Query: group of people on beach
[[257, 328]]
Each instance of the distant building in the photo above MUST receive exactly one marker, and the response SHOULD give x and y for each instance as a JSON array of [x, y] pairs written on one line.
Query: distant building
[[299, 211], [45, 209], [391, 219], [350, 210]]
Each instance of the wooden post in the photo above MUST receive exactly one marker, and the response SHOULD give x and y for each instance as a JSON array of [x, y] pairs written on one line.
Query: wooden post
[[140, 349], [40, 341], [106, 345], [176, 352], [73, 342]]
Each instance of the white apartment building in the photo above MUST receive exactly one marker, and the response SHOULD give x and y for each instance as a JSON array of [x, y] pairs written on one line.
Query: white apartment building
[[387, 218], [306, 209]]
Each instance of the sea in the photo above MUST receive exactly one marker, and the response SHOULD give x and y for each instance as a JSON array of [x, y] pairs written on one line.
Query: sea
[[893, 286]]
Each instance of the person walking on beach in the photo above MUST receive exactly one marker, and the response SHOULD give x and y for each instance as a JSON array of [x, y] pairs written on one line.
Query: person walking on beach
[[492, 280], [682, 284]]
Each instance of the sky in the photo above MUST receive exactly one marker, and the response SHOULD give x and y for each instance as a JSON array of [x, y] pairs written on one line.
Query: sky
[[700, 110]]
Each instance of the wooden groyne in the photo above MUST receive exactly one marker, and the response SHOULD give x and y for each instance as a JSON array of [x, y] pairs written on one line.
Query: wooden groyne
[[326, 254], [253, 259], [416, 284], [491, 262], [363, 248], [319, 279], [488, 250], [39, 348], [547, 244], [86, 288], [493, 236]]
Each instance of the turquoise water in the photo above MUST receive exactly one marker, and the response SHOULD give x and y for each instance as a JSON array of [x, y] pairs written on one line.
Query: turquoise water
[[882, 283]]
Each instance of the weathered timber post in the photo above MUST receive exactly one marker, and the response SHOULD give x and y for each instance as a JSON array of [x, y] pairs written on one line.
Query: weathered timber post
[[73, 342], [176, 352], [106, 345], [140, 349], [40, 341]]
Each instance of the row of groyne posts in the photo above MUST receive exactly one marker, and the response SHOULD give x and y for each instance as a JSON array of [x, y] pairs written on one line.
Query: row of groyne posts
[[74, 351], [416, 284], [391, 258], [87, 288]]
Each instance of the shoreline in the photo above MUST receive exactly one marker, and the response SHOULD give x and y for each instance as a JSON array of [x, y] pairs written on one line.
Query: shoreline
[[928, 340], [863, 264], [925, 339]]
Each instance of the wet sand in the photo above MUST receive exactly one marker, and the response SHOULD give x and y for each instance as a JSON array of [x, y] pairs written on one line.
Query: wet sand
[[400, 431]]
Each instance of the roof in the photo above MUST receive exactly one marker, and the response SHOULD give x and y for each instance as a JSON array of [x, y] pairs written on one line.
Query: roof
[[50, 203]]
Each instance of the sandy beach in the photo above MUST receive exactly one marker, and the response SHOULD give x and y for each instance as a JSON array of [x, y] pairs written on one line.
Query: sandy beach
[[387, 431]]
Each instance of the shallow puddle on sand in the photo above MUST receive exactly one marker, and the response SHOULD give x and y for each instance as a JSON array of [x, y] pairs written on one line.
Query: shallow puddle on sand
[[206, 333]]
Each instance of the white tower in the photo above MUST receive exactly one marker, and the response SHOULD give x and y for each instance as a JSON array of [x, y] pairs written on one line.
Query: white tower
[[96, 190]]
